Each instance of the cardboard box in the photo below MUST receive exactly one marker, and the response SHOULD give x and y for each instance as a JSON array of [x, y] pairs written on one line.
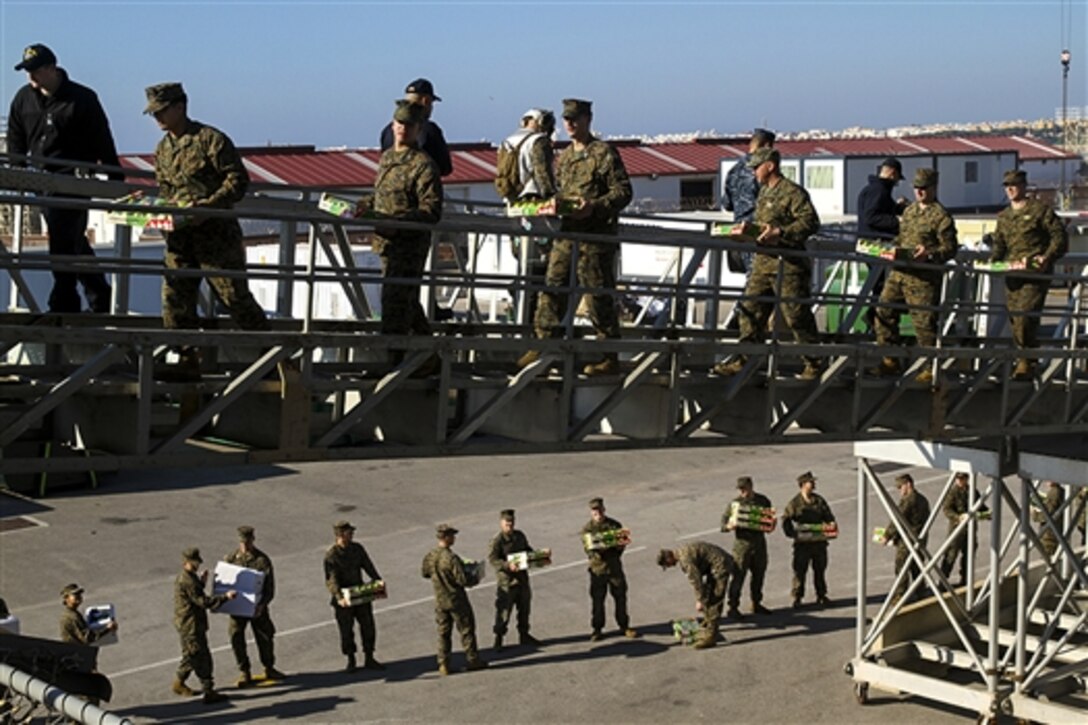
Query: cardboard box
[[98, 618], [247, 582]]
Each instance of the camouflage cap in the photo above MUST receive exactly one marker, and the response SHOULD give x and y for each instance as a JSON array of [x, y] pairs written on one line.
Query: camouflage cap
[[507, 514], [443, 530], [924, 178], [245, 533], [596, 503], [763, 155], [192, 554], [806, 476], [745, 482], [421, 87], [575, 107], [160, 96], [342, 525], [763, 136], [36, 56], [408, 112], [1016, 177], [665, 558], [903, 478], [71, 590]]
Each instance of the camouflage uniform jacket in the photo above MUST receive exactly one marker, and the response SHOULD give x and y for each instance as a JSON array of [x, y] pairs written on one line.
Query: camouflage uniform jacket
[[915, 510], [748, 535], [344, 567], [956, 504], [788, 207], [1055, 497], [258, 560], [800, 511], [699, 560], [446, 571], [74, 629], [604, 561], [930, 227], [595, 173], [191, 604], [408, 188], [201, 166], [499, 548], [1034, 229], [741, 191]]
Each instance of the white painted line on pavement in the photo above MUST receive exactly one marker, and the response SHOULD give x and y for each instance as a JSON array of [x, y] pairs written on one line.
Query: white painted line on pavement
[[326, 623]]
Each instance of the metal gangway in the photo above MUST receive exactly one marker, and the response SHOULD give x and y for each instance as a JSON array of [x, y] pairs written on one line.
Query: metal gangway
[[85, 384]]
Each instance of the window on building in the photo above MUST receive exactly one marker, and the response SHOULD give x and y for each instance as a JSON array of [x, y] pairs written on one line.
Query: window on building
[[696, 194], [790, 172], [819, 176], [970, 172]]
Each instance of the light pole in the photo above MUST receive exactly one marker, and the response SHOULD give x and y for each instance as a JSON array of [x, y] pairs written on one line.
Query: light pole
[[1063, 199]]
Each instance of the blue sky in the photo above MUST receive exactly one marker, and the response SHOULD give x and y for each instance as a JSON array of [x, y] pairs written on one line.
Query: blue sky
[[326, 73]]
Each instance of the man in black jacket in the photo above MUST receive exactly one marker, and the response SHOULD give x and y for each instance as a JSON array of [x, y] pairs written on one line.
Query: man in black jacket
[[878, 215], [430, 138], [57, 118]]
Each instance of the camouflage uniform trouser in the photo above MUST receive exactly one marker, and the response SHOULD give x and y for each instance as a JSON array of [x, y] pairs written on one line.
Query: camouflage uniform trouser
[[814, 553], [507, 596], [1025, 295], [599, 586], [957, 549], [751, 557], [796, 284], [902, 557], [214, 244], [596, 268], [460, 614], [263, 632], [1049, 542], [346, 617], [403, 258], [712, 600], [914, 290], [195, 657]]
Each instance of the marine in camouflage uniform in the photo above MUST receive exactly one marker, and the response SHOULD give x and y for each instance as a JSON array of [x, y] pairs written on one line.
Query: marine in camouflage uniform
[[807, 507], [191, 607], [1027, 230], [73, 627], [345, 563], [512, 588], [197, 166], [739, 194], [452, 608], [784, 218], [606, 574], [708, 567], [1055, 497], [247, 555], [927, 233], [955, 507], [749, 552], [591, 173], [409, 189], [914, 508]]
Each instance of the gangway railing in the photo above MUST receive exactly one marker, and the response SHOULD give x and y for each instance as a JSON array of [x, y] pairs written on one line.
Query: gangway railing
[[315, 388]]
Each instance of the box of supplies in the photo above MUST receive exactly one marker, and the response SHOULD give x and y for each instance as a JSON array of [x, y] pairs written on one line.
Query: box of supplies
[[364, 593], [98, 618], [247, 582], [751, 517], [150, 219], [884, 249], [606, 539], [535, 559], [816, 532]]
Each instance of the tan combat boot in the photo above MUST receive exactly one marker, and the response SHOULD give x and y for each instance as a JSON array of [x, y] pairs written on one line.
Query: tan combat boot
[[1024, 370], [610, 365], [443, 669], [245, 680], [180, 688], [528, 359], [887, 366], [705, 642], [474, 665], [926, 376], [729, 367], [811, 372]]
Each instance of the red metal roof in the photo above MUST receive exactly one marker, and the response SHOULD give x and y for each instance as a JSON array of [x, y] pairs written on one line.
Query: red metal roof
[[475, 163]]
